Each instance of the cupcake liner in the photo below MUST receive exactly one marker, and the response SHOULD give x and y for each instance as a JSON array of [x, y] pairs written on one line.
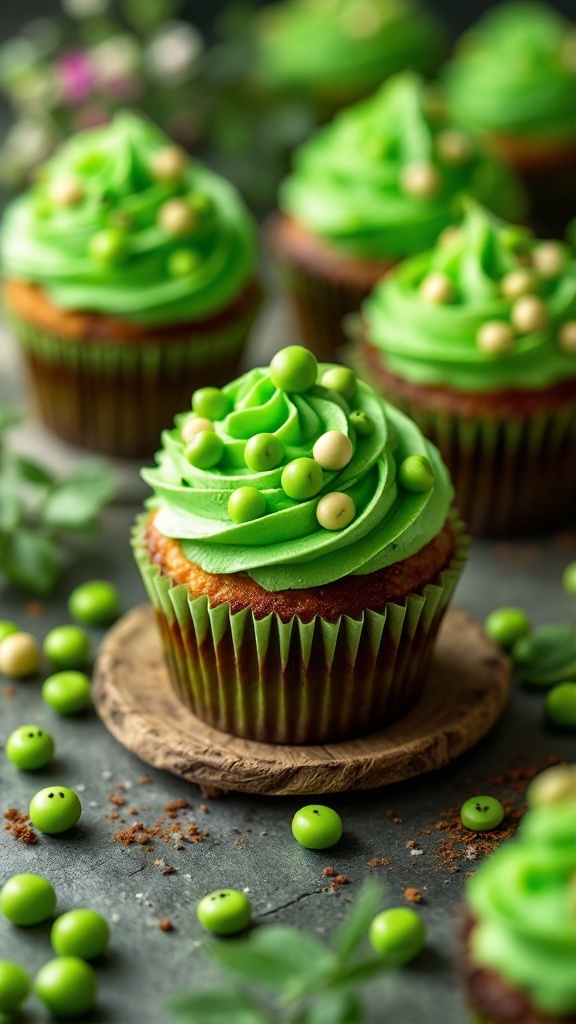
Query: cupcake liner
[[511, 475], [297, 682], [116, 397]]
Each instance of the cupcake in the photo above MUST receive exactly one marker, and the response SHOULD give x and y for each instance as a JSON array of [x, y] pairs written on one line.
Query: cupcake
[[513, 80], [130, 279], [333, 52], [376, 185], [476, 341], [519, 932], [300, 551]]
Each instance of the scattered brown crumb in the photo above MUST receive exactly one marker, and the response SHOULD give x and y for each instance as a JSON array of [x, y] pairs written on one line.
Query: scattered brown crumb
[[175, 805], [411, 844], [329, 871], [211, 792], [204, 809], [413, 895], [339, 881], [10, 691], [133, 811], [113, 816], [168, 870], [18, 825], [144, 780], [377, 861], [165, 925], [34, 609], [119, 801], [392, 816]]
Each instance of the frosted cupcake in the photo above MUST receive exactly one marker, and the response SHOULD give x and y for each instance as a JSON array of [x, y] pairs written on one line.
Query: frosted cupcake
[[300, 552], [513, 80], [376, 185], [476, 340], [130, 279]]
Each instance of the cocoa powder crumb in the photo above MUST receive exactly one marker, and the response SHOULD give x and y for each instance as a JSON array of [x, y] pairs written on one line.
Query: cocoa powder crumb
[[165, 925], [144, 780], [168, 870], [34, 609], [211, 792], [377, 861], [329, 871], [204, 809], [175, 805], [18, 825], [9, 691], [413, 895], [118, 801]]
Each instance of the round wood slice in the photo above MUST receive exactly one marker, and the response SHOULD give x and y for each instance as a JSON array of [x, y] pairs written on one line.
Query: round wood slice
[[465, 694]]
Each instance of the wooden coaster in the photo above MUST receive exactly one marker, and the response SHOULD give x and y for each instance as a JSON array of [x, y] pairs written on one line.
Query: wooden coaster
[[465, 694]]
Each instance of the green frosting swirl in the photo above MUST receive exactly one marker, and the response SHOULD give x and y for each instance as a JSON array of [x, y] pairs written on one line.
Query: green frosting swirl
[[524, 902], [346, 46], [347, 183], [436, 343], [287, 548], [48, 243], [515, 71]]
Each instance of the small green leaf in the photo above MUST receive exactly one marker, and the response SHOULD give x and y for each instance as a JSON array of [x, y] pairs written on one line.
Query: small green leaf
[[547, 656], [8, 418], [335, 1008], [95, 477], [30, 560], [276, 957], [364, 970], [76, 502], [220, 1007], [32, 473], [11, 508], [355, 927]]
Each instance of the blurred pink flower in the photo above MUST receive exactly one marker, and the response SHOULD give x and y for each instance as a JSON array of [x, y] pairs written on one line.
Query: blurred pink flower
[[77, 77]]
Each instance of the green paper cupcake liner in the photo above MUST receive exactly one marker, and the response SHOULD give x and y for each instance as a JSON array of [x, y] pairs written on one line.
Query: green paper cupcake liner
[[297, 682], [116, 398], [511, 475]]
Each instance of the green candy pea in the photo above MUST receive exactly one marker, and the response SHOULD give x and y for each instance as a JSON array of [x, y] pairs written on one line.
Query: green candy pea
[[225, 912], [30, 748], [397, 935]]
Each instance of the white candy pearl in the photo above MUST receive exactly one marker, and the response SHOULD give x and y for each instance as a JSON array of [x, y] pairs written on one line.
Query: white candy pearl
[[168, 164], [549, 259], [495, 337], [19, 655], [176, 217], [567, 337], [420, 180], [437, 288], [529, 314], [518, 282], [66, 192], [333, 450], [194, 426], [554, 786], [454, 147], [335, 511]]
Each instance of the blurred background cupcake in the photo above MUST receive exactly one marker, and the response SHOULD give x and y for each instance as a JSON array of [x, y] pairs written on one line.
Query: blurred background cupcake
[[513, 80], [476, 340], [300, 552], [130, 279], [378, 184]]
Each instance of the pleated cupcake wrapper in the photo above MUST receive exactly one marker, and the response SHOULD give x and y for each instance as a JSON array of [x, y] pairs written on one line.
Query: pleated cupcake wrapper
[[512, 475], [297, 682], [117, 397]]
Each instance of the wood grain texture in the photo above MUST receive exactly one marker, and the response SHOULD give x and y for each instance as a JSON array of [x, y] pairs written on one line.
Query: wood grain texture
[[465, 694]]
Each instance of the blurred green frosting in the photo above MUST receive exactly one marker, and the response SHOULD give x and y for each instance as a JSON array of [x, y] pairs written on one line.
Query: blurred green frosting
[[344, 47], [515, 72], [524, 902], [49, 244], [287, 548], [347, 181], [436, 343]]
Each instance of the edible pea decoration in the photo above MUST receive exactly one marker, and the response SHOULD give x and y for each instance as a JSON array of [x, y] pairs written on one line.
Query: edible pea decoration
[[342, 380], [19, 655], [317, 827], [7, 629], [569, 579], [397, 935], [211, 403], [82, 933], [294, 368], [335, 511], [302, 479], [205, 450], [108, 246], [263, 452], [15, 986], [507, 625], [27, 899], [67, 986], [30, 748], [55, 809], [560, 705], [246, 504], [225, 912], [68, 693], [554, 786], [67, 647], [416, 474], [481, 813], [95, 603], [333, 450], [362, 423]]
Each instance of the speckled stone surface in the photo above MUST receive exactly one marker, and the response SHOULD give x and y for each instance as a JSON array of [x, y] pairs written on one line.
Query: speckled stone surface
[[146, 966]]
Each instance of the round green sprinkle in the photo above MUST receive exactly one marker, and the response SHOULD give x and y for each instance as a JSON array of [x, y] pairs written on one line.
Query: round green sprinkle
[[416, 474], [205, 449], [210, 403], [55, 809], [560, 705], [342, 380], [317, 827], [15, 986], [481, 813], [68, 693], [68, 647], [82, 933], [568, 580], [362, 423], [27, 899], [294, 368], [30, 748], [397, 935], [224, 912], [263, 452], [302, 479], [95, 603], [183, 262], [246, 504], [7, 629], [108, 246], [507, 625], [67, 986]]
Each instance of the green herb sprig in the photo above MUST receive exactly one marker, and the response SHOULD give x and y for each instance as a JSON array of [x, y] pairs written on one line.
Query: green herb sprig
[[281, 975], [39, 512]]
